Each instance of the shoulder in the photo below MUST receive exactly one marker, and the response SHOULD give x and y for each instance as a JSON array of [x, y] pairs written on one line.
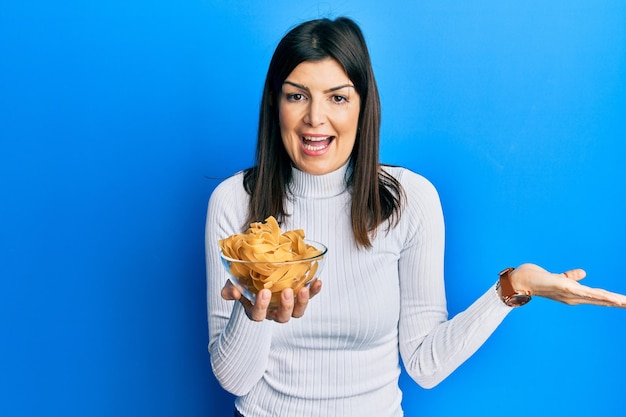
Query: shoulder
[[413, 184], [422, 215], [229, 195], [227, 208], [229, 188]]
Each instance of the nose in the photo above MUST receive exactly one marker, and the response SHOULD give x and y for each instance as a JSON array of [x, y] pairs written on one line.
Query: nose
[[315, 114]]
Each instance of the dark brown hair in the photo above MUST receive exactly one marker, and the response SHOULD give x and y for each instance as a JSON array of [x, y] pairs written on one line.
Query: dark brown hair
[[376, 195]]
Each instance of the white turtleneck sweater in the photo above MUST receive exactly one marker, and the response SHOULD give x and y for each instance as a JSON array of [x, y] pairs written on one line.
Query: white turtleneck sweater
[[376, 306]]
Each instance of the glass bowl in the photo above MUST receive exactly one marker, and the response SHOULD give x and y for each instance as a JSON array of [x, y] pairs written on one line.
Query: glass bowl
[[251, 277]]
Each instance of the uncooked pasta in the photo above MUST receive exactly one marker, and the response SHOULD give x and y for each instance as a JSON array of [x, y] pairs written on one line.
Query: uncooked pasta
[[272, 259]]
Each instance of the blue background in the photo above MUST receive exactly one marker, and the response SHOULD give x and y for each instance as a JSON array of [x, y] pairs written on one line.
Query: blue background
[[116, 117]]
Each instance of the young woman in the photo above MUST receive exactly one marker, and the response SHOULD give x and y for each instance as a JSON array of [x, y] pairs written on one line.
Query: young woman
[[382, 300]]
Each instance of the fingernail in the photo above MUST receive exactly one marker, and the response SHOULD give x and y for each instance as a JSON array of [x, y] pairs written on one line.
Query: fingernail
[[265, 295]]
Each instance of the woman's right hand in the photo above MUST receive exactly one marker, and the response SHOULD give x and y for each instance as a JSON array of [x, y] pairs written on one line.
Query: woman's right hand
[[290, 306]]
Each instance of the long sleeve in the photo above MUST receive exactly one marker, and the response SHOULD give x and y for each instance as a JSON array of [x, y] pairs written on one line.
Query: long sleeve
[[432, 346], [377, 304], [238, 347]]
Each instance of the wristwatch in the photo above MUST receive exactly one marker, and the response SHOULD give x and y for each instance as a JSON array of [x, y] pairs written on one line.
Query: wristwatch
[[506, 292]]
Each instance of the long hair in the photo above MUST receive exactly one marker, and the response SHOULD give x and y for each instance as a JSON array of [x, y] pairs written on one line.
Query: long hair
[[376, 195]]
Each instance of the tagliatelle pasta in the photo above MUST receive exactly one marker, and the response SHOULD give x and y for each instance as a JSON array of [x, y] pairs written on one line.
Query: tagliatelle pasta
[[271, 259]]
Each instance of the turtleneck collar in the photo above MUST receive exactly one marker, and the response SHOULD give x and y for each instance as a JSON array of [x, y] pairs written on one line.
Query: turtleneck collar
[[318, 186]]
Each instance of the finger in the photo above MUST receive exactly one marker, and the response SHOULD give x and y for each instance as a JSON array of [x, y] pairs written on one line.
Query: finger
[[575, 274], [283, 313], [301, 302], [230, 292], [599, 296], [315, 288], [258, 310], [577, 294]]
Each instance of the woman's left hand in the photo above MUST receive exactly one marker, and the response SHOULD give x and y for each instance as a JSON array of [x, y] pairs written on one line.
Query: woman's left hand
[[563, 287], [291, 305]]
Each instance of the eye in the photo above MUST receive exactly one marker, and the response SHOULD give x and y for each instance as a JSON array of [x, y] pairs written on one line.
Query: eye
[[338, 99], [295, 96]]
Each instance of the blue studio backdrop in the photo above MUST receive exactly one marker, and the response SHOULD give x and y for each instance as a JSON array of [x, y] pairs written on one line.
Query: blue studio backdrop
[[117, 117]]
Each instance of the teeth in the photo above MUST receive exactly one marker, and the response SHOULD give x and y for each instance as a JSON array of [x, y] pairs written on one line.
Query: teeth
[[309, 142], [314, 148]]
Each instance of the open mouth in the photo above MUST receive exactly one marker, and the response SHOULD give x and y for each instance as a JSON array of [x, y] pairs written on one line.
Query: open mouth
[[316, 144]]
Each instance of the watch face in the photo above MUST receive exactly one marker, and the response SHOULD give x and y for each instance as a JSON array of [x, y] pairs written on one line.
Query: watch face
[[518, 300]]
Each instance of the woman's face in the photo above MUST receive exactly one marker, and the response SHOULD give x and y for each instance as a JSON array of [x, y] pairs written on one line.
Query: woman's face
[[318, 113]]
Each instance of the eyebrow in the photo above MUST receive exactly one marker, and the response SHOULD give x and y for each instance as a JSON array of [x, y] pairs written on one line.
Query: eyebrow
[[330, 90]]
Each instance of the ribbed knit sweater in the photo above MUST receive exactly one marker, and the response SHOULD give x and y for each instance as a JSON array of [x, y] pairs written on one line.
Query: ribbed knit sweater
[[377, 306]]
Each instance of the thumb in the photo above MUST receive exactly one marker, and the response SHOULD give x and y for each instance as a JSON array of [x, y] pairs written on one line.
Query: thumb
[[575, 274]]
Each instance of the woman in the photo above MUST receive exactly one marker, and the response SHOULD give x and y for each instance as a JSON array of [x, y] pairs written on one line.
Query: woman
[[317, 169]]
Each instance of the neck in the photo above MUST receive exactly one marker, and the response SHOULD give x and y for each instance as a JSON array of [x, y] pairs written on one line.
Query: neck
[[318, 186]]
